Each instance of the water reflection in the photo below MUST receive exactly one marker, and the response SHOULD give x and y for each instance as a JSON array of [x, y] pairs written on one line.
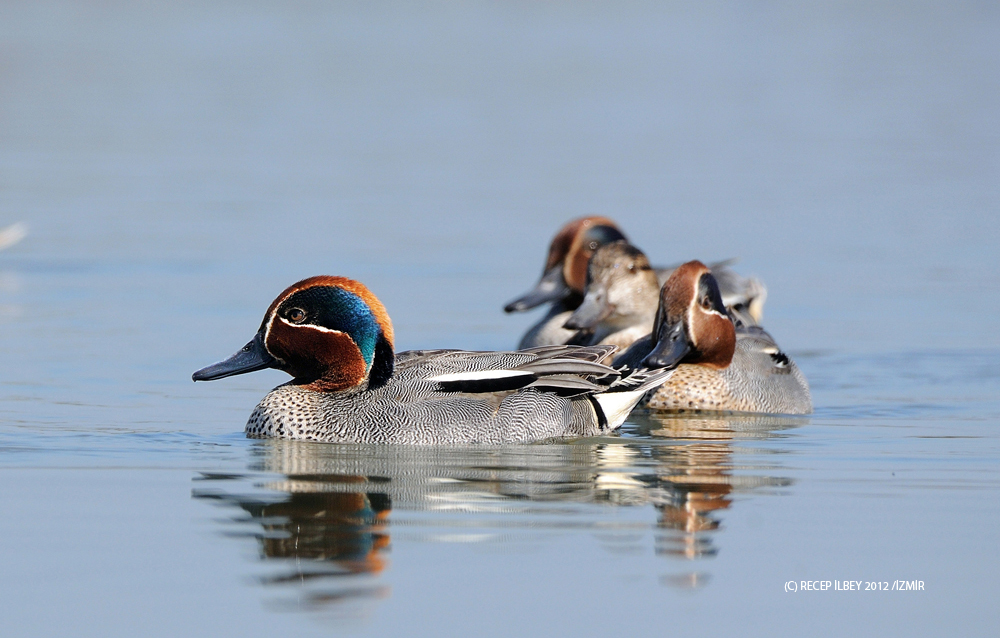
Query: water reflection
[[320, 513], [695, 475], [10, 285], [320, 530]]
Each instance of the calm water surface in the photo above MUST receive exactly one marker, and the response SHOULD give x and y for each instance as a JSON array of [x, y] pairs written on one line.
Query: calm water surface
[[178, 165]]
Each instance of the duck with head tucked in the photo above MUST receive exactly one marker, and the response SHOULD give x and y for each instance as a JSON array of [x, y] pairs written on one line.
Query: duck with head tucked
[[720, 365], [564, 284], [336, 340]]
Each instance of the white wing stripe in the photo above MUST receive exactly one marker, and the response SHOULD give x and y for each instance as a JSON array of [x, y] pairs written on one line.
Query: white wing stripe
[[479, 375]]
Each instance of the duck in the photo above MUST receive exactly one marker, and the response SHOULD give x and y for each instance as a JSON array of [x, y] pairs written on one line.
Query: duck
[[719, 364], [335, 338], [563, 284], [623, 292], [563, 279], [621, 297]]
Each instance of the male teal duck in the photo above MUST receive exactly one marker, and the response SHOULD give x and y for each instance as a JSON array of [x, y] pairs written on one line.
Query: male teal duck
[[565, 283], [720, 366], [334, 337]]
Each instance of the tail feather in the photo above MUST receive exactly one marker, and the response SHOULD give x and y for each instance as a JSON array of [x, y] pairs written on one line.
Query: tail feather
[[595, 354], [643, 379], [623, 395]]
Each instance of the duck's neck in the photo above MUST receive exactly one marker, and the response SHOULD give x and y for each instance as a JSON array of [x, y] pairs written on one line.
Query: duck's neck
[[382, 364]]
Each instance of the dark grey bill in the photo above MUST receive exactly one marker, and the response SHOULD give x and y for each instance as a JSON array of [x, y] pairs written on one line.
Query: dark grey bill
[[591, 312], [551, 287], [671, 347], [250, 358]]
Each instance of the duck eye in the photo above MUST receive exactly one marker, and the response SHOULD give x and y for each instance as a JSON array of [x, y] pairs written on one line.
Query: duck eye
[[296, 315], [706, 303]]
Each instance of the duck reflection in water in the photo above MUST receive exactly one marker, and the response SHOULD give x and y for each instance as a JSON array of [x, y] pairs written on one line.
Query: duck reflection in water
[[695, 477], [323, 529], [322, 511]]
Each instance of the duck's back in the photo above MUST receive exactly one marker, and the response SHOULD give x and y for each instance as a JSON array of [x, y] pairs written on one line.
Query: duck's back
[[410, 408], [760, 378]]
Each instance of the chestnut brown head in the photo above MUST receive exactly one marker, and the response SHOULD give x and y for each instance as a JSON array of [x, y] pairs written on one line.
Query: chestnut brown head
[[692, 325], [330, 333]]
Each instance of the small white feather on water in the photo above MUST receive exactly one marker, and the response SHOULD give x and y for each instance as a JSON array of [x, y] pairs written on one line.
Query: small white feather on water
[[13, 234]]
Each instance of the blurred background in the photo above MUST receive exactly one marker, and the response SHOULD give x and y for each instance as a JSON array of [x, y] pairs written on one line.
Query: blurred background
[[177, 164], [846, 152]]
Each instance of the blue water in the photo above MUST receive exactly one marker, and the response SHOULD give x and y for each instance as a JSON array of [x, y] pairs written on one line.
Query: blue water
[[178, 165]]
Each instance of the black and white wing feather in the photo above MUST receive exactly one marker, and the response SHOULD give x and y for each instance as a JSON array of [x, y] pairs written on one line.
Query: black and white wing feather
[[564, 369]]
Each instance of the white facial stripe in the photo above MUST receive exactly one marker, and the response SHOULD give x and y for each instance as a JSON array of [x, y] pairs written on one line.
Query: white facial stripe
[[267, 333], [695, 306], [270, 322], [277, 306], [692, 308], [707, 311], [691, 334], [713, 311], [311, 326]]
